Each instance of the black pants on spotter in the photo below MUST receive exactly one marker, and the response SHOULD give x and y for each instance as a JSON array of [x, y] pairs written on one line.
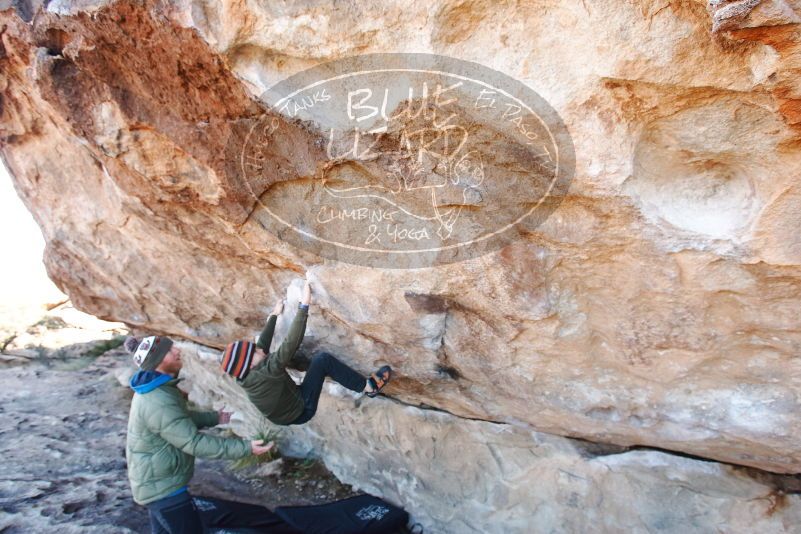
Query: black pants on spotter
[[187, 514], [324, 365]]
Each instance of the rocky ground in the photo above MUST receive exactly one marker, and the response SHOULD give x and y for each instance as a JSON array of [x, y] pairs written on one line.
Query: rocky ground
[[63, 415]]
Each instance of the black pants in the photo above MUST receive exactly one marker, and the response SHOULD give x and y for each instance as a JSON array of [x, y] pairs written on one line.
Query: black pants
[[185, 514], [324, 365]]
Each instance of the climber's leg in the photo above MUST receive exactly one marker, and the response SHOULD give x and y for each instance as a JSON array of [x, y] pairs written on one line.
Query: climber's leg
[[324, 364]]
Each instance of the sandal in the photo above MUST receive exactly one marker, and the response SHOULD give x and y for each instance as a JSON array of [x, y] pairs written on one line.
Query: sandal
[[378, 380]]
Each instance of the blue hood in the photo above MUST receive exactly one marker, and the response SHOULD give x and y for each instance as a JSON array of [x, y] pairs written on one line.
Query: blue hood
[[147, 381]]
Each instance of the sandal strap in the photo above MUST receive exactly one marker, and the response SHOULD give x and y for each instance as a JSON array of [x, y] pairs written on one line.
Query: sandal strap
[[377, 382]]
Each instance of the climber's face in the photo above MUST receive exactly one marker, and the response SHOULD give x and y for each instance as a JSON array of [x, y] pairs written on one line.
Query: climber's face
[[171, 364], [258, 356]]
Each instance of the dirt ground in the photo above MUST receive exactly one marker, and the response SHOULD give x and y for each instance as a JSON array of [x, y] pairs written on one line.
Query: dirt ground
[[63, 417]]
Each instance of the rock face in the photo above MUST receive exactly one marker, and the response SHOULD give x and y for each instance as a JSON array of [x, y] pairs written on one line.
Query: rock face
[[656, 306], [459, 476]]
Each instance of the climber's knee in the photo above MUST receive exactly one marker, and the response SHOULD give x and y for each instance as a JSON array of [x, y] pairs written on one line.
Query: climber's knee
[[322, 358]]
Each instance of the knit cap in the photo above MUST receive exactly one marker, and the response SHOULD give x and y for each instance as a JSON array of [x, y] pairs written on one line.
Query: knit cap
[[148, 352], [237, 358]]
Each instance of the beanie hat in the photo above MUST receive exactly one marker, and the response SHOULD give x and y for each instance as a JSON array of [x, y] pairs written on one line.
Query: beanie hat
[[237, 358], [148, 352]]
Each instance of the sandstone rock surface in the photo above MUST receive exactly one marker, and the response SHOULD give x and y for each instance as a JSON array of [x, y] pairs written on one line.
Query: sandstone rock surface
[[657, 306], [457, 476]]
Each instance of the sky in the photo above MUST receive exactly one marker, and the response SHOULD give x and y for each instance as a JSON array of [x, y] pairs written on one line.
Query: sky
[[24, 285]]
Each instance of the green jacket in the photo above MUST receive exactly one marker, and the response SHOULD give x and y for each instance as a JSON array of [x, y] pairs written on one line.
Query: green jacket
[[268, 386], [163, 438]]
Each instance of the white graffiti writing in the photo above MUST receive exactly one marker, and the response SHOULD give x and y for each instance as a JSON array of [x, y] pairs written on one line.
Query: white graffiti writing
[[328, 214], [292, 106]]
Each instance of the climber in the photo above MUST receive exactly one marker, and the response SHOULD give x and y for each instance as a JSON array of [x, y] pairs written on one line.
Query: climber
[[267, 383], [162, 443]]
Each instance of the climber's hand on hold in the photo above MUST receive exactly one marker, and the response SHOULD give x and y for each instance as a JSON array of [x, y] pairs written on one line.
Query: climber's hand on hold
[[278, 308]]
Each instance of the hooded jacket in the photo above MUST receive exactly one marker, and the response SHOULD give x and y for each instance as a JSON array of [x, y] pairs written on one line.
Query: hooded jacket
[[163, 438], [268, 386]]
